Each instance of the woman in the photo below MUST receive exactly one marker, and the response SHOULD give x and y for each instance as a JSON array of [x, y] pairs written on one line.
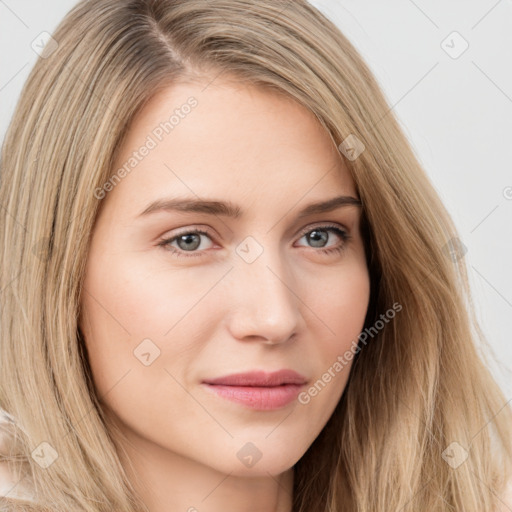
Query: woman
[[313, 348]]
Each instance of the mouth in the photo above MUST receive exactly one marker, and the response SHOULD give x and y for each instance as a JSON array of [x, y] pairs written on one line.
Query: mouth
[[258, 390]]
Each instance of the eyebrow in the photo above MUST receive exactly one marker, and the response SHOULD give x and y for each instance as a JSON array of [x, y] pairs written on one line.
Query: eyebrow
[[229, 209]]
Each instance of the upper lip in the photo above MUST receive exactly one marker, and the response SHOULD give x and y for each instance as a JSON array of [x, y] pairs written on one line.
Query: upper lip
[[259, 378]]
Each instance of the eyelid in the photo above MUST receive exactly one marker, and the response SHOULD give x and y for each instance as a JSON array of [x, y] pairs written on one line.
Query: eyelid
[[341, 231], [325, 224], [206, 230]]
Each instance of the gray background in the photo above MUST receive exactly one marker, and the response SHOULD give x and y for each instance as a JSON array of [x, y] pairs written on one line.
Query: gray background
[[457, 113]]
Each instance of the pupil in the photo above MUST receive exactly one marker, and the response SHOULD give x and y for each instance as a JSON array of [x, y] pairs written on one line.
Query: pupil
[[186, 239], [323, 236]]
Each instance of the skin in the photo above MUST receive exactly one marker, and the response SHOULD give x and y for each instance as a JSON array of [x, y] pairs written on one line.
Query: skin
[[216, 314]]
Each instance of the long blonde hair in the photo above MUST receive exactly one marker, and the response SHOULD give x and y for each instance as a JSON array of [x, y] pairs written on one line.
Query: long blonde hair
[[415, 388]]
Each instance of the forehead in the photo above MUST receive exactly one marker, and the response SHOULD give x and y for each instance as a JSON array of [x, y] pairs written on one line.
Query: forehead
[[226, 138]]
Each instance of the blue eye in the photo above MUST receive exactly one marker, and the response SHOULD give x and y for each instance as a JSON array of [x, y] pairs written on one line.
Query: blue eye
[[317, 233], [191, 238], [189, 241]]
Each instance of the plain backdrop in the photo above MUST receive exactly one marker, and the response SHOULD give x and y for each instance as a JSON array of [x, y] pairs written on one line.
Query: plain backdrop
[[445, 69]]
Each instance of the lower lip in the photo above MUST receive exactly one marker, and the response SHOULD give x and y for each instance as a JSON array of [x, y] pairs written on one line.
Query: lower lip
[[259, 398]]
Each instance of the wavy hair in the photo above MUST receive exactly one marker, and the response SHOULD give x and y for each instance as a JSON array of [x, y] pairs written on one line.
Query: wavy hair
[[417, 387]]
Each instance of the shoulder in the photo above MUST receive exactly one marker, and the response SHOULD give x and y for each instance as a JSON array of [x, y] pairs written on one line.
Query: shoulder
[[6, 480], [506, 499], [9, 486]]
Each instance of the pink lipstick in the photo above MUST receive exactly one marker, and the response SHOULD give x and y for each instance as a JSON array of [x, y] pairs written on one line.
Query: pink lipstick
[[258, 389]]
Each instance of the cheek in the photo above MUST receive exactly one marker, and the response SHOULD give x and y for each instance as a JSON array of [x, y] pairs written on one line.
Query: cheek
[[341, 304], [136, 300], [130, 311]]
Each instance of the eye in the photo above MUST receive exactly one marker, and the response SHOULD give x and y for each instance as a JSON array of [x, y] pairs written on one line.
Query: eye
[[318, 235], [187, 242]]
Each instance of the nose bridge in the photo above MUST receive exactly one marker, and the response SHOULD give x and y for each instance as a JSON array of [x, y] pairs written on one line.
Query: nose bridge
[[264, 303]]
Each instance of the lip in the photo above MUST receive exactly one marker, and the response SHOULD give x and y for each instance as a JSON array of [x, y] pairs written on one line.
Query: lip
[[259, 378], [258, 390]]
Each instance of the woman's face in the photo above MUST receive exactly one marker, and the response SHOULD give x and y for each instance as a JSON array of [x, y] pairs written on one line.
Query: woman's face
[[251, 292]]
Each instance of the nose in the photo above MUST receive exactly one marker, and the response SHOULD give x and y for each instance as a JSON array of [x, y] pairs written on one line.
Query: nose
[[264, 305]]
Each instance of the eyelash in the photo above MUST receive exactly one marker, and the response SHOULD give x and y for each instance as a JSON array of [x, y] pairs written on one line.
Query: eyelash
[[165, 243]]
